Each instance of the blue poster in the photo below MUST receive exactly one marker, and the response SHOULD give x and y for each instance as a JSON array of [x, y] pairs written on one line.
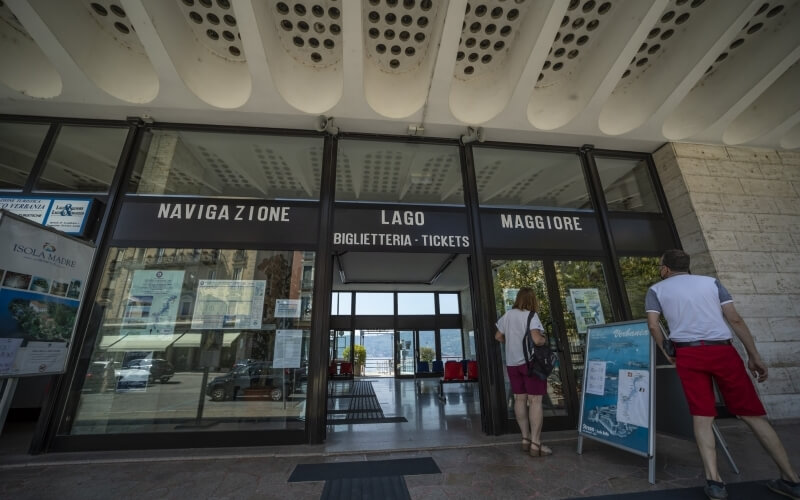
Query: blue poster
[[616, 400]]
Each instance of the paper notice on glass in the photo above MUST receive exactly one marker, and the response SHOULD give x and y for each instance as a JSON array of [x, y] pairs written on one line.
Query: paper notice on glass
[[596, 377], [587, 307], [152, 305], [287, 308], [229, 304], [42, 357], [633, 397], [288, 347], [8, 351]]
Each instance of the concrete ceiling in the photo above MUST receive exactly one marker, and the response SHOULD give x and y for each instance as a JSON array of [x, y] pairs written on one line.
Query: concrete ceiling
[[621, 74]]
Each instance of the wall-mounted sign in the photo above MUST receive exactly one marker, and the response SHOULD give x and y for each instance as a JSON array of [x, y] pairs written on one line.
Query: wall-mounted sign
[[401, 228], [288, 348], [586, 307], [65, 214], [225, 304], [287, 308], [216, 221], [540, 230], [152, 305], [42, 278]]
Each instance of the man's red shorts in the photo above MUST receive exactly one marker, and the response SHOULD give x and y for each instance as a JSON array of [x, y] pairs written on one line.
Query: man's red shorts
[[697, 365]]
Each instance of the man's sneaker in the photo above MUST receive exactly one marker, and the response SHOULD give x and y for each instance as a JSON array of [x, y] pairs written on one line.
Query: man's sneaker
[[785, 488], [715, 490]]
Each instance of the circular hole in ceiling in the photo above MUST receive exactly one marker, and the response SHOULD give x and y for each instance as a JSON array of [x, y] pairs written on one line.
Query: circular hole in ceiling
[[582, 40], [419, 37], [653, 49], [426, 5], [557, 66], [682, 18], [335, 29], [334, 13], [406, 20], [99, 9], [505, 31], [410, 51], [316, 57], [212, 34], [697, 3], [374, 17], [282, 8], [485, 43], [188, 3], [197, 18], [318, 11], [404, 36], [117, 10], [577, 23], [374, 2], [490, 29], [774, 12], [761, 9], [122, 28], [668, 16], [641, 62], [653, 33], [754, 28], [546, 65], [459, 56], [388, 34], [409, 4], [302, 26], [512, 14], [212, 18], [205, 3], [667, 34], [588, 6], [224, 4], [593, 24], [395, 49], [721, 57], [394, 63], [557, 38], [475, 27], [564, 21], [328, 43], [229, 20], [480, 10], [497, 13], [626, 74], [737, 43], [604, 8], [422, 22], [486, 59], [374, 33], [473, 57], [469, 70], [499, 45], [390, 18], [227, 35], [319, 27], [234, 51], [573, 4], [642, 47], [559, 52], [380, 48], [313, 43], [568, 38], [539, 79], [572, 54], [298, 41], [300, 9]]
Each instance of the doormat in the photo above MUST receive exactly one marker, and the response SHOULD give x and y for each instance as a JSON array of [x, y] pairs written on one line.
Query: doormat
[[363, 407], [366, 488], [747, 489], [364, 469]]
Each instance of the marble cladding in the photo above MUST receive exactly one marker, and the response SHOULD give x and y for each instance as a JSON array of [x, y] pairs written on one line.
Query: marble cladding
[[737, 211]]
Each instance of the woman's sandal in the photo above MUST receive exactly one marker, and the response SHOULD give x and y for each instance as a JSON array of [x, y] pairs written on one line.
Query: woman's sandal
[[526, 444], [539, 450]]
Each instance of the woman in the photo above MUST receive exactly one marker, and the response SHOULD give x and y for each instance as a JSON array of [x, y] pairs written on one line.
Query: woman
[[528, 390]]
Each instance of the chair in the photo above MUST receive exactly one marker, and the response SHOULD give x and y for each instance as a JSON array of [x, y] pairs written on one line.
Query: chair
[[438, 366], [453, 370], [332, 369], [423, 367], [472, 370], [346, 368]]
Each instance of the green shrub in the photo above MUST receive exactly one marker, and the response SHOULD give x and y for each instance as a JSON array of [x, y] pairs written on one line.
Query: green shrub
[[360, 354], [426, 354]]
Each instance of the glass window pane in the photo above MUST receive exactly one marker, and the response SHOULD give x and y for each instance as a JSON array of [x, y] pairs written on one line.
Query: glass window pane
[[372, 303], [83, 159], [169, 335], [450, 339], [514, 178], [627, 185], [415, 303], [448, 303], [342, 303], [19, 145], [398, 172], [639, 274], [427, 346], [226, 164]]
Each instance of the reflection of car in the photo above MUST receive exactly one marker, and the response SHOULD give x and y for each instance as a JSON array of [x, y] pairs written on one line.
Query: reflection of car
[[100, 376], [132, 378], [255, 379], [158, 369]]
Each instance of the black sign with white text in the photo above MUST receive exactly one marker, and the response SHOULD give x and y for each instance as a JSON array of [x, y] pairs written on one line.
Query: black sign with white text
[[540, 230], [401, 228], [217, 222]]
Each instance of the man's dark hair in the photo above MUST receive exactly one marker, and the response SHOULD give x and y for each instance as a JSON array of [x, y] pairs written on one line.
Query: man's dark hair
[[677, 260]]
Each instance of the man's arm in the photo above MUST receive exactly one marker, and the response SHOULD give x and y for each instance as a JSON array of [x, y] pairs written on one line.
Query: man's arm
[[754, 362], [657, 334]]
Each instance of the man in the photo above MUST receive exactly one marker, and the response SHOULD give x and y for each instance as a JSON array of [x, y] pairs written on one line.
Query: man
[[696, 308]]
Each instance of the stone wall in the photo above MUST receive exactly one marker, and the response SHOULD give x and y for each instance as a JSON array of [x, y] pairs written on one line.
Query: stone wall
[[737, 211]]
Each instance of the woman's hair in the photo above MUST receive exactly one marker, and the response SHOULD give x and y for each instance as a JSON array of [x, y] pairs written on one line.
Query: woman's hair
[[526, 300]]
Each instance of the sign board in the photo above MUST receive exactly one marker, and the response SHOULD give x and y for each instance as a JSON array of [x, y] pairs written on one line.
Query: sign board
[[586, 307], [43, 274], [288, 348], [540, 230], [198, 221], [229, 304], [287, 308], [152, 305], [407, 228], [617, 403], [68, 215]]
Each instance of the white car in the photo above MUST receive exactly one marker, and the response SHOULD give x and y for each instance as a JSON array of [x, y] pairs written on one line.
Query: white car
[[131, 379]]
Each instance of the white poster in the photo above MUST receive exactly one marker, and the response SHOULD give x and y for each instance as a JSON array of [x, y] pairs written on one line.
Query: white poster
[[229, 304], [596, 377], [152, 305], [42, 277], [586, 307], [633, 397], [67, 215], [287, 308], [8, 351], [288, 348]]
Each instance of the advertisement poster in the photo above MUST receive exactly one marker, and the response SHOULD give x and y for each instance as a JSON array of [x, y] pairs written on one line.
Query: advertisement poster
[[509, 297], [229, 304], [287, 308], [615, 407], [586, 307], [67, 215], [42, 278], [152, 305], [288, 347]]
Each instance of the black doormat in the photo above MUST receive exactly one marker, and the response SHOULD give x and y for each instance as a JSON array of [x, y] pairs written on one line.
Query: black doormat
[[364, 469], [366, 488], [367, 420], [363, 407], [745, 490]]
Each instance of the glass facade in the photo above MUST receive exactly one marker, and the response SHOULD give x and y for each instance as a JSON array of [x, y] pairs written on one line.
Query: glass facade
[[19, 145], [178, 327], [627, 185]]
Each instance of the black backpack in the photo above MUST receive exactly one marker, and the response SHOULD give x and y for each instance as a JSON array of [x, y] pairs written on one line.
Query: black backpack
[[540, 359]]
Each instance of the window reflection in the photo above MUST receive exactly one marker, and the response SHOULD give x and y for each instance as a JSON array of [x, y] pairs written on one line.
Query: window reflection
[[176, 325], [19, 146], [627, 185], [639, 274]]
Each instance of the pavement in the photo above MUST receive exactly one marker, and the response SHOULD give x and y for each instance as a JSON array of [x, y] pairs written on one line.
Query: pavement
[[493, 468]]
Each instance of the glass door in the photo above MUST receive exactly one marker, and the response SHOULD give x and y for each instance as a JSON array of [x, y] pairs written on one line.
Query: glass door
[[572, 295], [406, 349]]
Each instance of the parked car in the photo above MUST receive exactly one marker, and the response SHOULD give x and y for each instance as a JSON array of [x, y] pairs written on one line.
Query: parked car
[[159, 369], [252, 380], [100, 376], [132, 379]]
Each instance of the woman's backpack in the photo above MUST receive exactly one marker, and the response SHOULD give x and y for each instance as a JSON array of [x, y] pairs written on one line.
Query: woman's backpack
[[540, 359]]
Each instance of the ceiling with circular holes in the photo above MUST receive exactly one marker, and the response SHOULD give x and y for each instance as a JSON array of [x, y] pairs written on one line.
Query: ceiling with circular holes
[[621, 74]]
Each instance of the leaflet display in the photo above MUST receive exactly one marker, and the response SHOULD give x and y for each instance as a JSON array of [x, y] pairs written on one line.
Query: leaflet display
[[229, 304], [42, 277], [617, 400], [152, 305]]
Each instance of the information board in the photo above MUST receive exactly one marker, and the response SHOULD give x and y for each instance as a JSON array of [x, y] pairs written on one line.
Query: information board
[[618, 382]]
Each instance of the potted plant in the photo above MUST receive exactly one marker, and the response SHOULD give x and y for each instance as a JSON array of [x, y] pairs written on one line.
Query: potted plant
[[359, 359]]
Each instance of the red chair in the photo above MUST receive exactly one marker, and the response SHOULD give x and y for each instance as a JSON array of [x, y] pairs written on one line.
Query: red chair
[[453, 370], [472, 370], [346, 368], [332, 369]]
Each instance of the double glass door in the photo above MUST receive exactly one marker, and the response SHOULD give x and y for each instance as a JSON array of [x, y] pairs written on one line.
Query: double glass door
[[573, 295], [414, 346]]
